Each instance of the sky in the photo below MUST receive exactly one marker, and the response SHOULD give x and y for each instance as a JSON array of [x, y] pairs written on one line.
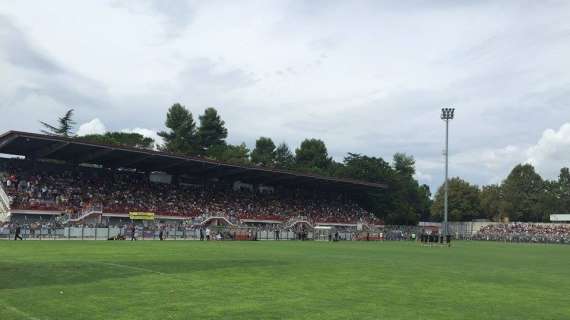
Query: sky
[[366, 77]]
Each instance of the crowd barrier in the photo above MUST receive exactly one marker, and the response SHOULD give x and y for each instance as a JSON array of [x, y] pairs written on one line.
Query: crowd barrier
[[182, 233]]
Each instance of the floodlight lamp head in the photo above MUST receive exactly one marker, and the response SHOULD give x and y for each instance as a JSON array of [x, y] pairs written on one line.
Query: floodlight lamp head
[[447, 113]]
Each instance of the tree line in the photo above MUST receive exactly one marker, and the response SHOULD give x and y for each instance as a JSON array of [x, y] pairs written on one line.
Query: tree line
[[523, 196], [404, 202]]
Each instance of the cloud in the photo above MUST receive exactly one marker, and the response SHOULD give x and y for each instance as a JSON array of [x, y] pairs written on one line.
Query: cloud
[[551, 152], [150, 133], [492, 165], [423, 177], [365, 76], [204, 77], [19, 52], [175, 15], [36, 84], [94, 126]]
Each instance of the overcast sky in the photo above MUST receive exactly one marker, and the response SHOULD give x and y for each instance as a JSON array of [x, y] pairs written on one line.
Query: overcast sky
[[365, 76]]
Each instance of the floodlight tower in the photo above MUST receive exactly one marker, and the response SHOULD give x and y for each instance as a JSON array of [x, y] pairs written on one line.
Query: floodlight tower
[[446, 115]]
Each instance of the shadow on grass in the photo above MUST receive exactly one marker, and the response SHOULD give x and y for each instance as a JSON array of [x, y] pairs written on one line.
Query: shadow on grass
[[16, 275]]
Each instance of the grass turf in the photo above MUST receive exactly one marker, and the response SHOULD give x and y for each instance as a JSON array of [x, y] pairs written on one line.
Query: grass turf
[[282, 280]]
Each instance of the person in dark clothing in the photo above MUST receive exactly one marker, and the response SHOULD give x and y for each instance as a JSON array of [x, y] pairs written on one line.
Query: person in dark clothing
[[18, 231], [448, 240], [161, 234], [201, 234], [133, 233], [277, 234]]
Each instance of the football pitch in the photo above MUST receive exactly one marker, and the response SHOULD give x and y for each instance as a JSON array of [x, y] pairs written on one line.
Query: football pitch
[[282, 280]]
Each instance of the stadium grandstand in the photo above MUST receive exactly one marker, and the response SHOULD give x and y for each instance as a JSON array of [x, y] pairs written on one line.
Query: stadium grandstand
[[525, 232], [51, 177]]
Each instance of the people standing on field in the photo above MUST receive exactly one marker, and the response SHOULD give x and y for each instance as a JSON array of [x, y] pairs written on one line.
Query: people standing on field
[[18, 231], [133, 233], [207, 233]]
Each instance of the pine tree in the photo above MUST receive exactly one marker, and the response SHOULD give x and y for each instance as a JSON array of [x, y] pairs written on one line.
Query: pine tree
[[182, 136], [64, 127], [212, 131], [264, 152]]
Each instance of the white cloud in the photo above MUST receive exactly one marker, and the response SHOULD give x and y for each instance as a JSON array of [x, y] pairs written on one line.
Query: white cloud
[[551, 152], [492, 165], [94, 126], [423, 178], [150, 133], [365, 76], [490, 159]]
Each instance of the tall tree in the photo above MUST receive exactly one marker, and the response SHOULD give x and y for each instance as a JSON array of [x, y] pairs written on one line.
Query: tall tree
[[64, 125], [181, 138], [404, 202], [563, 192], [365, 168], [370, 169], [237, 154], [134, 140], [548, 200], [424, 202], [463, 200], [523, 192], [264, 152], [284, 158], [492, 202], [312, 156], [411, 201], [404, 164], [212, 131]]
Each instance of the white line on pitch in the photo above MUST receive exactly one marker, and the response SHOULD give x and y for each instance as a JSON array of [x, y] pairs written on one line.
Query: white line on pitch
[[130, 267]]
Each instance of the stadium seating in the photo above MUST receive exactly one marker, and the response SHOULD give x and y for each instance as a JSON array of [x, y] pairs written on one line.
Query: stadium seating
[[525, 232], [46, 186]]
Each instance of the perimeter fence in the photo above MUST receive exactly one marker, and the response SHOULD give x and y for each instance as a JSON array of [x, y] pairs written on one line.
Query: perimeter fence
[[31, 232]]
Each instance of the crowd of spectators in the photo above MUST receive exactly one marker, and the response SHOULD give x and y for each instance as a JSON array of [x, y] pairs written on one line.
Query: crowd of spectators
[[525, 232], [36, 185]]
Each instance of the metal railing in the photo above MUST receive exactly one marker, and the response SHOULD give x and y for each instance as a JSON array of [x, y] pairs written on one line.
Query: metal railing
[[51, 231], [87, 211], [184, 232], [297, 219], [4, 204]]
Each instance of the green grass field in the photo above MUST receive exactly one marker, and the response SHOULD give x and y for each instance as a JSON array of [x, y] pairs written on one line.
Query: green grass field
[[283, 280]]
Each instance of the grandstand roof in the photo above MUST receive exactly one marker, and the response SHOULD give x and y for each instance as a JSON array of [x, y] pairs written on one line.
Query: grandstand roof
[[70, 150]]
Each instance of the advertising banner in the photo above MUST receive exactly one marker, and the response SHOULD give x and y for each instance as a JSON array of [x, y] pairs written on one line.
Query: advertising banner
[[141, 215]]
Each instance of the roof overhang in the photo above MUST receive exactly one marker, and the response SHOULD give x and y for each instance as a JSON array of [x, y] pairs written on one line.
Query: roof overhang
[[72, 150]]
